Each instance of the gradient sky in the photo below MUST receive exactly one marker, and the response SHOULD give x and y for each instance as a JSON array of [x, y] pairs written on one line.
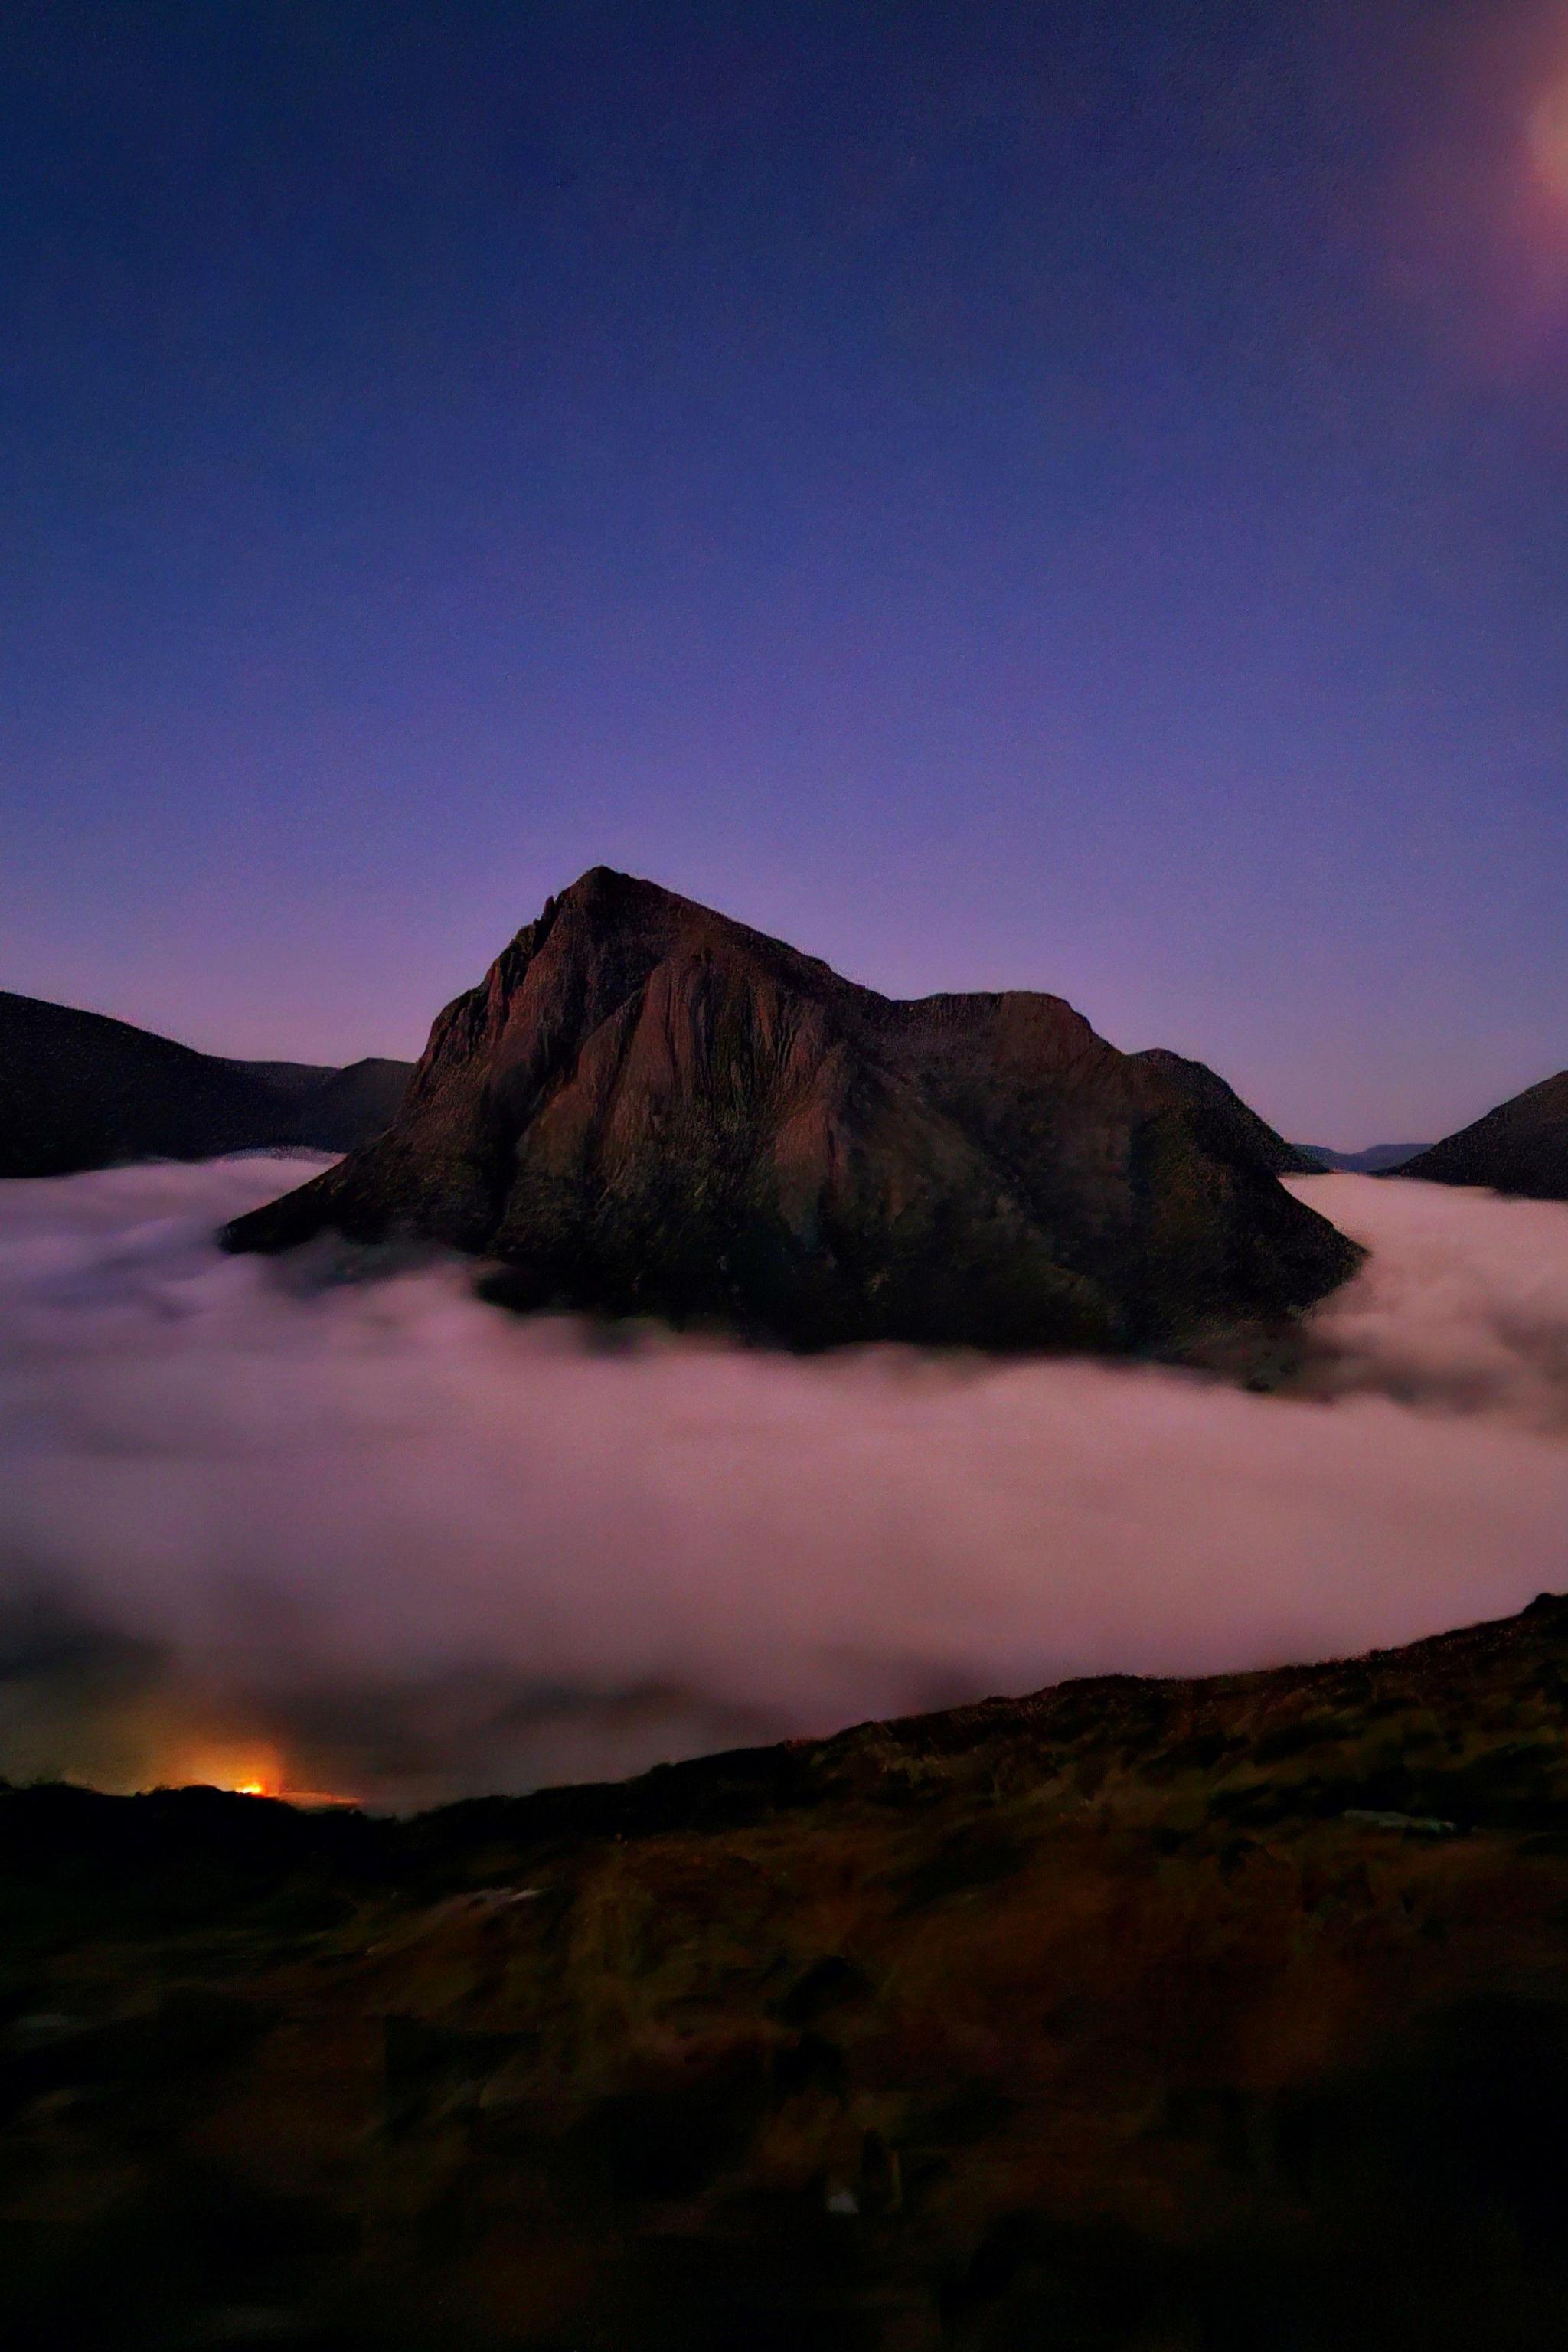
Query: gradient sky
[[1065, 496]]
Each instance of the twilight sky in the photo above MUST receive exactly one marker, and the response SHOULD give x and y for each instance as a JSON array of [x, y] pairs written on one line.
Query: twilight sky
[[1066, 495]]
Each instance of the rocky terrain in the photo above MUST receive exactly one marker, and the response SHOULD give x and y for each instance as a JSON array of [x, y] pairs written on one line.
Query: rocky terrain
[[1522, 1147], [646, 1109], [78, 1090], [1132, 2017], [1229, 1123]]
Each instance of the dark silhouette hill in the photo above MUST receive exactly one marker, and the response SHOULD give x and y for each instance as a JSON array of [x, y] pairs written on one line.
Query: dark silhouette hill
[[1522, 1147], [1378, 1160], [647, 1108], [78, 1090], [1138, 2014]]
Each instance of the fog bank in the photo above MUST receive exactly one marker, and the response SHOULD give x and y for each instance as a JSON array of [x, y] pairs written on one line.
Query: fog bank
[[383, 1539]]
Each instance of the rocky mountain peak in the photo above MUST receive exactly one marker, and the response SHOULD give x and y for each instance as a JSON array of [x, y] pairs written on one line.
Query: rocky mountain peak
[[646, 1107]]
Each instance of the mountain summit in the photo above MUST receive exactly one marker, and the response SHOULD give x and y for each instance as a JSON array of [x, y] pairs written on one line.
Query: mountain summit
[[647, 1108]]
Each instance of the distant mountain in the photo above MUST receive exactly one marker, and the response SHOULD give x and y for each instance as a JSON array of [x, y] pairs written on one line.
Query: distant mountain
[[645, 1108], [1520, 1146], [1378, 1160], [78, 1090]]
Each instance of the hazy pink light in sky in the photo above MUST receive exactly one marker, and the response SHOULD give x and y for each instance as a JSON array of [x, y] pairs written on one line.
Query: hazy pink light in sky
[[1547, 138], [1480, 193]]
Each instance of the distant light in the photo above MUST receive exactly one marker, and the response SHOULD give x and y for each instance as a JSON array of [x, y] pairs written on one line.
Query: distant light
[[1549, 139], [249, 1769]]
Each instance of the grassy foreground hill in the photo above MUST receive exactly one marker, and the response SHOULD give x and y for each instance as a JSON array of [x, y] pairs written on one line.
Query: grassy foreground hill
[[1137, 2016]]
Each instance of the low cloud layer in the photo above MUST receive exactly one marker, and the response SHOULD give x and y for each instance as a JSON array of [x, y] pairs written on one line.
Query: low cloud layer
[[383, 1539]]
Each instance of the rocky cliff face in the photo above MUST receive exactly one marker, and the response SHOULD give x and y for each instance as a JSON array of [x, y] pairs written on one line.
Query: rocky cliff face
[[645, 1108], [78, 1090], [1522, 1147], [1228, 1124]]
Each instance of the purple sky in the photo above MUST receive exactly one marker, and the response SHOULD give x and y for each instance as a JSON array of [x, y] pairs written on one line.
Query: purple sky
[[1070, 498]]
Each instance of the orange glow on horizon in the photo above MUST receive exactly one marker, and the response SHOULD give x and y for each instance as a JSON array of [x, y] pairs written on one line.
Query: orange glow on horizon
[[241, 1767], [244, 1774], [245, 1768], [247, 1775]]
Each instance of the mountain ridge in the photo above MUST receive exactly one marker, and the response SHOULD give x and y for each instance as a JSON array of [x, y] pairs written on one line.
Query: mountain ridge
[[81, 1090], [1378, 1160]]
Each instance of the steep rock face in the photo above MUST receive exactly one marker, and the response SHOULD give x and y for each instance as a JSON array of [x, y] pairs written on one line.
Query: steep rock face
[[78, 1090], [1227, 1125], [645, 1108], [1522, 1147]]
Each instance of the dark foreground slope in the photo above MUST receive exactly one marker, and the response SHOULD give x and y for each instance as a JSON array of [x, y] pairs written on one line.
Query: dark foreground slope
[[1522, 1147], [78, 1090], [1133, 2017], [647, 1108]]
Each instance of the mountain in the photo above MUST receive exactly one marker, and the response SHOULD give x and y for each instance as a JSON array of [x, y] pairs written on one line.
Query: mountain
[[1202, 2015], [647, 1108], [1520, 1146], [1378, 1160], [78, 1090], [1225, 1117]]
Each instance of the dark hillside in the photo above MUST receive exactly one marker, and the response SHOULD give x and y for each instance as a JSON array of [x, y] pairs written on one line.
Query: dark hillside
[[78, 1090], [1204, 2015], [1522, 1147]]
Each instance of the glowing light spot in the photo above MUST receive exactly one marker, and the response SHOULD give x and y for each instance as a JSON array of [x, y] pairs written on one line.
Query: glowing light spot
[[1548, 133], [245, 1771]]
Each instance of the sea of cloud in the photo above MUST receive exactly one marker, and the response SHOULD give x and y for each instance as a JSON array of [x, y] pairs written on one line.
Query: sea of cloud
[[381, 1539]]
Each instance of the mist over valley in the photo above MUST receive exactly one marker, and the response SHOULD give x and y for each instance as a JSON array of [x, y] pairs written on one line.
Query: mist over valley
[[261, 1525]]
